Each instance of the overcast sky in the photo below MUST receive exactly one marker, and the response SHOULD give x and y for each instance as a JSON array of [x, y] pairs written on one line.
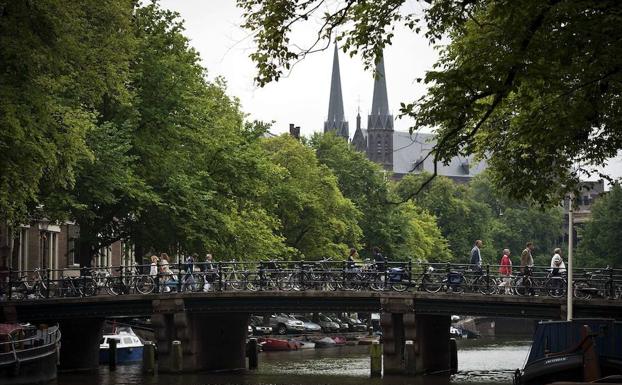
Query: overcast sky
[[213, 28]]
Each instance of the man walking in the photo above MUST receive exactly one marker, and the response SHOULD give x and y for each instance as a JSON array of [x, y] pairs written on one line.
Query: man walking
[[476, 257], [526, 263]]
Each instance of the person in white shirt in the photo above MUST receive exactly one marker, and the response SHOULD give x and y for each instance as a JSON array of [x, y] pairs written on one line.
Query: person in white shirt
[[557, 263]]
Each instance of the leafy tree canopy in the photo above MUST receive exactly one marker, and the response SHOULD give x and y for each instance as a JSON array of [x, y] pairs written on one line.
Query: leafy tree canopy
[[316, 219], [532, 86], [402, 231], [600, 243], [60, 61]]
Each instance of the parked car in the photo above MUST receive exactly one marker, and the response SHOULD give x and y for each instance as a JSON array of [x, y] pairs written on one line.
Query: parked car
[[343, 326], [283, 324], [327, 324], [259, 329], [310, 327], [354, 324]]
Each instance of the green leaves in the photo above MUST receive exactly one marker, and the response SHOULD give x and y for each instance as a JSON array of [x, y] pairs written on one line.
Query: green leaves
[[52, 78], [533, 87], [317, 220], [600, 238]]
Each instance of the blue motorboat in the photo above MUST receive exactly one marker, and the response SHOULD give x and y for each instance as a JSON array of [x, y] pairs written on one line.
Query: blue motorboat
[[588, 350], [129, 346]]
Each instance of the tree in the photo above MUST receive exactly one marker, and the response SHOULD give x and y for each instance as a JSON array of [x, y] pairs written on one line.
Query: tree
[[205, 165], [534, 87], [600, 244], [316, 219], [364, 183], [402, 231], [60, 61], [462, 220], [515, 223]]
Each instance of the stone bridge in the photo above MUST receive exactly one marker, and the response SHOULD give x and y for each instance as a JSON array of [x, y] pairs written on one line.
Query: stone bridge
[[213, 326]]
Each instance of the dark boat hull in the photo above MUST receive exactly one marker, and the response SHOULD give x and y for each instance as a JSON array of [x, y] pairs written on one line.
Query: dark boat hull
[[39, 370], [574, 350]]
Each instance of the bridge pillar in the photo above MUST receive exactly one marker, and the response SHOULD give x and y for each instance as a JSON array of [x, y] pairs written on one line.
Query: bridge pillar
[[210, 341], [393, 333], [429, 333], [79, 349], [432, 344]]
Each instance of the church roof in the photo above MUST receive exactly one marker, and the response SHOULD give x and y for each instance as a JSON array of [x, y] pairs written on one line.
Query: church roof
[[409, 149]]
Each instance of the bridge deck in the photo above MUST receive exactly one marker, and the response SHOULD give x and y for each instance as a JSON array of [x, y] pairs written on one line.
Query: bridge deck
[[309, 301]]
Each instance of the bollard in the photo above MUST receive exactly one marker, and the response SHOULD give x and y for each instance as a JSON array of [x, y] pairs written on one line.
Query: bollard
[[376, 359], [149, 357], [252, 353], [410, 366], [112, 354], [453, 354], [177, 358]]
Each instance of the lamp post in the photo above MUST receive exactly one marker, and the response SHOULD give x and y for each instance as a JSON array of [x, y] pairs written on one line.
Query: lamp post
[[570, 242], [43, 228]]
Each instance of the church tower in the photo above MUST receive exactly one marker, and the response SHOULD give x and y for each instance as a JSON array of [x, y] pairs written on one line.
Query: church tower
[[336, 121], [380, 123]]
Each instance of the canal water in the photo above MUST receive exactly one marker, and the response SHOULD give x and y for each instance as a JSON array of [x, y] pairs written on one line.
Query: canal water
[[481, 361]]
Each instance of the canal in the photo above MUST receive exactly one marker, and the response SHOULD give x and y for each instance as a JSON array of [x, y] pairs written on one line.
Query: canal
[[482, 361]]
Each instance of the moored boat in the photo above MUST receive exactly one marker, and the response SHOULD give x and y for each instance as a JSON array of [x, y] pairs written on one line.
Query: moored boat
[[276, 344], [325, 342], [27, 354], [339, 340], [129, 346], [307, 345], [588, 350]]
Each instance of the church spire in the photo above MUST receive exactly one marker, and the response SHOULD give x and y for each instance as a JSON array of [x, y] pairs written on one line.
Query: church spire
[[380, 122], [336, 118], [380, 102]]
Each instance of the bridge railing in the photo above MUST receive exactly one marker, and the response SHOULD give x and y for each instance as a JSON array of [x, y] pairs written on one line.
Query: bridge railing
[[326, 275]]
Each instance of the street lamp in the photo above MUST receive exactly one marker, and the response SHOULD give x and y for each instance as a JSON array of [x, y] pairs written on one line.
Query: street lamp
[[44, 224], [570, 284]]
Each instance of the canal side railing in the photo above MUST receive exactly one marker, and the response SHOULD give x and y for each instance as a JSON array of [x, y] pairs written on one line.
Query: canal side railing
[[322, 275]]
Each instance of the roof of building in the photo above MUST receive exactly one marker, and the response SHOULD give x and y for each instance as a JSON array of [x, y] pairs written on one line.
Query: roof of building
[[409, 149]]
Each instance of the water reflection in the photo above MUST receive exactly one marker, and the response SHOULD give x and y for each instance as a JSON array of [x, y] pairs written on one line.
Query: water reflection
[[483, 362]]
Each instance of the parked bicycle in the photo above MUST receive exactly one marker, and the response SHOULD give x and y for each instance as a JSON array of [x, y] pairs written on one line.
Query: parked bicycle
[[598, 283], [76, 286], [556, 284], [130, 280], [36, 288]]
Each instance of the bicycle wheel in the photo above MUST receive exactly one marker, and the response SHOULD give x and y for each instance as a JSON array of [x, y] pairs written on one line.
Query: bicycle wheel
[[253, 282], [399, 286], [114, 286], [456, 288], [523, 286], [20, 291], [234, 280], [283, 281], [87, 286], [486, 285], [144, 284], [555, 288], [579, 290], [431, 283], [377, 283], [294, 281]]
